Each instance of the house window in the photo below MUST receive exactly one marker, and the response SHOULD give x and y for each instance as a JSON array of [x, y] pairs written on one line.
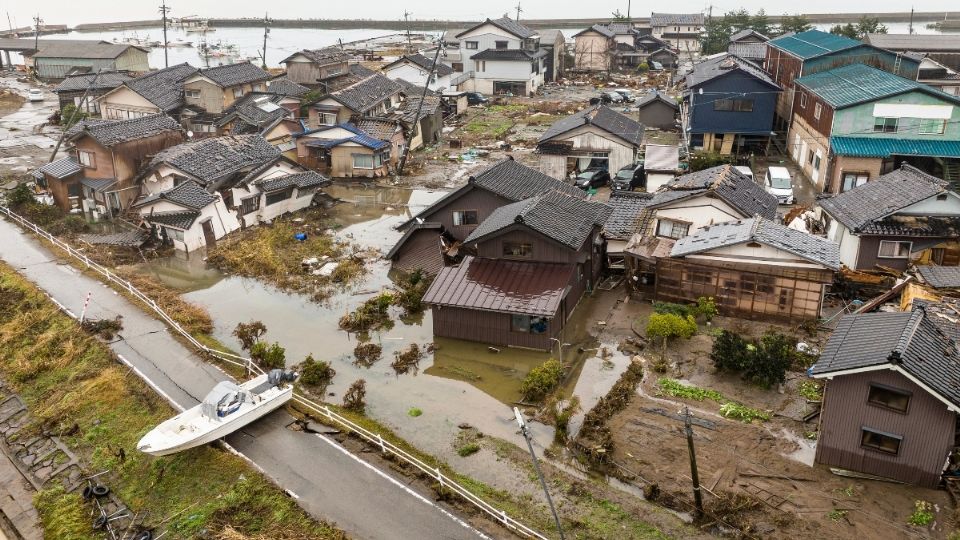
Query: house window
[[672, 229], [381, 158], [472, 45], [894, 250], [465, 217], [481, 66], [191, 93], [734, 105], [889, 398], [803, 100], [238, 92], [457, 66], [362, 161], [327, 119], [853, 179], [880, 441], [932, 127], [885, 125], [817, 111], [250, 204], [810, 155], [174, 234], [87, 159], [517, 249], [282, 195], [500, 44], [259, 88], [528, 324]]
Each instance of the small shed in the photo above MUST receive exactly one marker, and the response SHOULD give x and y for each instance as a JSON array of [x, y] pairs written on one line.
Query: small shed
[[658, 110], [55, 61], [661, 163]]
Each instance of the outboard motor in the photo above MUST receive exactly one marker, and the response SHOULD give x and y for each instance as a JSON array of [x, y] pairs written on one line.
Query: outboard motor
[[279, 376]]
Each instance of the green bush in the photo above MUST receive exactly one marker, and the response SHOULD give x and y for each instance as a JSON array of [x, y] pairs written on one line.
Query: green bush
[[415, 412], [764, 362], [70, 115], [249, 333], [668, 326], [20, 196], [541, 380], [706, 307], [268, 356], [314, 373], [683, 310], [704, 160], [922, 514], [643, 67], [468, 449]]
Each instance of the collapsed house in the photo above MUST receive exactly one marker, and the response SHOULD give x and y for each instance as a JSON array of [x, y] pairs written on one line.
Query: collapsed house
[[596, 137]]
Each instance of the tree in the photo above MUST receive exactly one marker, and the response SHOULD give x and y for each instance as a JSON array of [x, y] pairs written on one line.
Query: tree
[[761, 23], [268, 356], [795, 24], [716, 35], [737, 20], [845, 30], [249, 333], [866, 25], [619, 17]]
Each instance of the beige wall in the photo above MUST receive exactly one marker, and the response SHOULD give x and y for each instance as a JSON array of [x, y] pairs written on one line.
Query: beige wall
[[591, 52], [842, 164], [801, 140], [124, 103]]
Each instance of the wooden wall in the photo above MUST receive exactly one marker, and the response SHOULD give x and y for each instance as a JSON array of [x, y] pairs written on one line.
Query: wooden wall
[[481, 200], [488, 327], [544, 249], [927, 429], [421, 251]]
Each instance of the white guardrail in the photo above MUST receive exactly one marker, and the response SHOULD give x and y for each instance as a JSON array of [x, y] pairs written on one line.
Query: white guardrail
[[374, 438]]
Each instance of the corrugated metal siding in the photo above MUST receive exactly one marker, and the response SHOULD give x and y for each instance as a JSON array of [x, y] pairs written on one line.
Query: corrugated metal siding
[[488, 327], [927, 430], [543, 249], [421, 251], [481, 200]]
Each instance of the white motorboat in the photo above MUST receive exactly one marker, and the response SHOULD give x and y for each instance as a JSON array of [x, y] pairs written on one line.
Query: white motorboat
[[227, 408]]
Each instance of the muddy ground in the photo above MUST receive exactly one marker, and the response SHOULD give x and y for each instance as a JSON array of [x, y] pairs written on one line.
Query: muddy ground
[[760, 477]]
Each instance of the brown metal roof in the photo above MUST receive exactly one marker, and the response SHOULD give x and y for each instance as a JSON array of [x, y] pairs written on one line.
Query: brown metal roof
[[529, 288]]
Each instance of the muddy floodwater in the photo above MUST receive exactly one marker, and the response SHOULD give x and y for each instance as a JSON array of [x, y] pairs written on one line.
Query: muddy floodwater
[[460, 382]]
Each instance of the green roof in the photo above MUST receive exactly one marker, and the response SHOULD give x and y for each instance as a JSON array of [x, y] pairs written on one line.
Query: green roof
[[877, 147], [813, 43], [859, 83]]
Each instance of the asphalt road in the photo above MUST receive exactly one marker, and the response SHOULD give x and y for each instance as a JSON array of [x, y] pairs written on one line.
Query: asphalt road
[[328, 481]]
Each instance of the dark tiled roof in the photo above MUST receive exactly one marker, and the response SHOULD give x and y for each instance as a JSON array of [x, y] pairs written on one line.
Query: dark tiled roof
[[164, 87], [920, 226], [113, 132], [408, 109], [558, 216], [407, 88], [189, 194], [749, 51], [285, 87], [235, 74], [377, 128], [813, 43], [653, 96], [507, 24], [423, 62], [859, 83], [624, 220], [61, 168], [604, 118], [879, 198], [509, 54], [328, 55], [216, 158], [302, 180], [674, 19], [98, 184], [180, 220], [812, 248], [515, 181], [106, 80], [354, 74], [907, 341], [601, 29], [727, 183], [941, 277], [258, 110], [366, 94], [724, 64], [527, 288], [748, 32]]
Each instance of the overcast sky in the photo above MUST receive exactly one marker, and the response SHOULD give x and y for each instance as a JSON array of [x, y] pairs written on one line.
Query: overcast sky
[[73, 12]]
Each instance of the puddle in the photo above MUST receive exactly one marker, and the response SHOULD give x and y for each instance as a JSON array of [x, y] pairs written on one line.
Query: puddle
[[181, 272], [594, 380], [806, 449]]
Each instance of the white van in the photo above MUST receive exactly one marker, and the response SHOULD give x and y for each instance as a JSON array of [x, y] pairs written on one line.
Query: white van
[[778, 184], [747, 171]]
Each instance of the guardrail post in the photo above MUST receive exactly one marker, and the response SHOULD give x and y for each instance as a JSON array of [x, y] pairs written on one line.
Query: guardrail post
[[383, 447], [504, 516]]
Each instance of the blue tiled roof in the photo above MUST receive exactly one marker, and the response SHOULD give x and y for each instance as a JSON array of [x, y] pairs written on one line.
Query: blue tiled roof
[[860, 83], [813, 43], [359, 137], [874, 147]]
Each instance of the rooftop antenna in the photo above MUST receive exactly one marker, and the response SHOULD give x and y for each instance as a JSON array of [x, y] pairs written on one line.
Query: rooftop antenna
[[266, 30], [163, 12], [406, 20], [519, 9]]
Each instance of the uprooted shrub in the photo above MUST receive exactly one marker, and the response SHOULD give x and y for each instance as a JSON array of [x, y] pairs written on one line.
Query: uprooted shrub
[[764, 361], [412, 288], [407, 359], [367, 354], [355, 398], [595, 438], [541, 380], [268, 356], [249, 333], [316, 373], [373, 314]]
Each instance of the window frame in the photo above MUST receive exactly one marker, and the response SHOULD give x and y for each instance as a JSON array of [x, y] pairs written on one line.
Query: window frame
[[353, 161], [674, 224], [939, 130], [238, 92], [880, 254], [733, 105], [803, 100], [322, 115], [497, 43], [881, 124], [471, 45], [458, 218], [817, 111], [176, 233], [524, 250], [192, 93], [86, 155], [890, 390], [864, 431], [857, 176], [250, 204], [284, 194]]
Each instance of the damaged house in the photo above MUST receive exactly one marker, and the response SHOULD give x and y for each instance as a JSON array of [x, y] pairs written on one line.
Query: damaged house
[[596, 137], [71, 90], [156, 92], [344, 151], [903, 217], [373, 95], [197, 192], [414, 69], [435, 235], [209, 92], [500, 56], [532, 261]]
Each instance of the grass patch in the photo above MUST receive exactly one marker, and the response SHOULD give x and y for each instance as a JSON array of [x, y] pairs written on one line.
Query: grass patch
[[468, 449], [373, 314], [811, 390], [728, 408], [66, 376], [414, 412]]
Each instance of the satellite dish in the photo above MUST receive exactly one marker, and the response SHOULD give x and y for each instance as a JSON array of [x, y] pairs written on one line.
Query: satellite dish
[[189, 134]]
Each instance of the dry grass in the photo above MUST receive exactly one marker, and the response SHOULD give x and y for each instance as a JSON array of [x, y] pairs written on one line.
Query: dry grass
[[194, 319]]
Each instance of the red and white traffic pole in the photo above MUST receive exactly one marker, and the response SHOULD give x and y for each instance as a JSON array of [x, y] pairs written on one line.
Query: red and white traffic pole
[[83, 313]]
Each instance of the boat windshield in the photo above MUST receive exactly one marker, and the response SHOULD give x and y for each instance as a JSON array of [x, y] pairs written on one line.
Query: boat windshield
[[225, 398]]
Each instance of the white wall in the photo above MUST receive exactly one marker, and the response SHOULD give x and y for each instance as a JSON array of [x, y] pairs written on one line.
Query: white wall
[[933, 207], [657, 179], [699, 212], [222, 220], [761, 254], [485, 36], [415, 74]]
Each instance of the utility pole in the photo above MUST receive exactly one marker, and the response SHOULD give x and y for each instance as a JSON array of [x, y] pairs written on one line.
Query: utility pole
[[543, 483], [519, 9], [36, 36], [416, 117], [694, 474], [628, 10], [266, 30], [68, 122], [406, 21], [163, 11], [911, 20]]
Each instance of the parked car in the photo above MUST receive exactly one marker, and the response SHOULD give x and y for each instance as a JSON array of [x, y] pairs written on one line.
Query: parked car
[[629, 177], [778, 184], [35, 94], [602, 98], [627, 95], [591, 178], [747, 171], [614, 96], [476, 98]]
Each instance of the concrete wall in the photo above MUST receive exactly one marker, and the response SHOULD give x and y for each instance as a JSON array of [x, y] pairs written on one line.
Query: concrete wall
[[415, 74], [803, 139], [591, 52]]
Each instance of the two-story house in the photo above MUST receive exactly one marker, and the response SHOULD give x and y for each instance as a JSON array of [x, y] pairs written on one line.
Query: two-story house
[[500, 56], [313, 67], [728, 106], [593, 48], [372, 95], [749, 45], [681, 30], [597, 136], [890, 401], [902, 217], [73, 88], [156, 92], [793, 56], [211, 91], [106, 157], [856, 122], [414, 68], [435, 235], [533, 261]]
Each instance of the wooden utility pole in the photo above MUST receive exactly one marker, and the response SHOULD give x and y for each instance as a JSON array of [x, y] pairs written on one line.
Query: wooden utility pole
[[519, 9], [37, 21], [416, 117], [694, 474], [406, 22], [266, 30], [911, 20], [163, 11], [628, 10]]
